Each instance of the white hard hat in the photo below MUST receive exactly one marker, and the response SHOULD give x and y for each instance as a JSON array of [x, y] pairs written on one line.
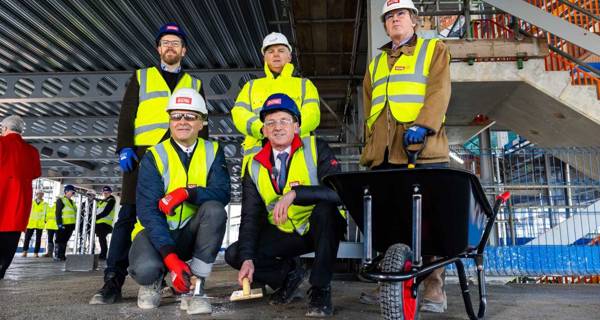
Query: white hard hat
[[390, 5], [275, 38], [187, 99]]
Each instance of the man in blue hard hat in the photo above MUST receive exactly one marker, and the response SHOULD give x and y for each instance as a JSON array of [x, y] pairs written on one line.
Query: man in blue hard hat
[[105, 214], [143, 124], [286, 212], [66, 216]]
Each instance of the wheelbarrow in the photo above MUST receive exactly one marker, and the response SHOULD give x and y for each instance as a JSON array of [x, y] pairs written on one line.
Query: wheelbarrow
[[411, 213]]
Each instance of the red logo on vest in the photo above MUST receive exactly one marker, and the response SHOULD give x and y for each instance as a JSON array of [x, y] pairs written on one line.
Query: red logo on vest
[[399, 68], [391, 2], [184, 100], [273, 101], [174, 28]]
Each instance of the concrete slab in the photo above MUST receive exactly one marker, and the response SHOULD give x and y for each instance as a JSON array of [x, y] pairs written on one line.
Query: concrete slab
[[37, 288]]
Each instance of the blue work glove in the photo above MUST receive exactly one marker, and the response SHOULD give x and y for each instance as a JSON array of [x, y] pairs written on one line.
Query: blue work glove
[[127, 159], [415, 135], [61, 227]]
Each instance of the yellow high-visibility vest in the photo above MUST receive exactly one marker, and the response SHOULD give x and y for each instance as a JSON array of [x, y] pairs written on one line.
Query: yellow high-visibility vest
[[302, 171], [38, 214], [404, 86], [69, 211], [151, 121], [175, 176], [51, 219], [101, 204], [246, 110]]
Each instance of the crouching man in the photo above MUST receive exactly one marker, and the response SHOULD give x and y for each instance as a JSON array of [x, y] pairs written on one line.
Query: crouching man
[[182, 188], [287, 213]]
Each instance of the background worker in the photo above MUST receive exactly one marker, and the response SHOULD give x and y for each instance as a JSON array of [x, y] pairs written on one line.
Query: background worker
[[182, 190], [39, 207], [279, 78], [105, 213], [142, 124], [286, 212], [66, 216], [51, 229], [407, 91], [19, 166]]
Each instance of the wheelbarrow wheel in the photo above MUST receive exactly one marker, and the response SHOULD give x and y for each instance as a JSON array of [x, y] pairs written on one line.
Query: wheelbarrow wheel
[[396, 298]]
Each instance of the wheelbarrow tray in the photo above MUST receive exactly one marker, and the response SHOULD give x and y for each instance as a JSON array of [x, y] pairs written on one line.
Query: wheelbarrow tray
[[455, 209]]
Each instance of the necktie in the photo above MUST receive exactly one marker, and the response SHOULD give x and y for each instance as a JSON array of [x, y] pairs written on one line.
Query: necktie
[[282, 170]]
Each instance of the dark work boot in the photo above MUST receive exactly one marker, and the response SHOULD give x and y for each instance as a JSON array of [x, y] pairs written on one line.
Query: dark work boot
[[110, 292], [320, 302], [289, 290]]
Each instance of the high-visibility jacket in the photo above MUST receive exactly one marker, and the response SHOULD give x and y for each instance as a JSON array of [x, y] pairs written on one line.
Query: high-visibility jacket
[[51, 219], [302, 171], [38, 214], [100, 205], [69, 211], [404, 86], [175, 176], [151, 121], [246, 111]]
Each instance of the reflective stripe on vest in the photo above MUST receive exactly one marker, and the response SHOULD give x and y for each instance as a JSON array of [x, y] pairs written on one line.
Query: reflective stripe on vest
[[107, 219], [69, 211], [174, 176], [38, 215], [302, 171], [404, 86], [151, 121]]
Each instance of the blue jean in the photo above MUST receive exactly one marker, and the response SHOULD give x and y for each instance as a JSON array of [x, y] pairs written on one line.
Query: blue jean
[[118, 255]]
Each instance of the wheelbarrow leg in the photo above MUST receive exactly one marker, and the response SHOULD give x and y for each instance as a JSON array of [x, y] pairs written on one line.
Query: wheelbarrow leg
[[464, 286]]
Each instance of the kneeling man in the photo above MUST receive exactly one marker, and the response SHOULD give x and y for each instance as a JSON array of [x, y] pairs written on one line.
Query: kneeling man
[[182, 188], [286, 212]]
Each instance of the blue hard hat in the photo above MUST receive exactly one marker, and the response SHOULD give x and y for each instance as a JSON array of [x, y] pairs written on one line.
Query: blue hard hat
[[170, 28], [107, 188], [279, 102], [69, 187]]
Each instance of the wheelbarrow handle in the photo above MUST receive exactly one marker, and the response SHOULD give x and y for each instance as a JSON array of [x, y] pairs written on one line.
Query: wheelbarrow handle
[[413, 154], [503, 197]]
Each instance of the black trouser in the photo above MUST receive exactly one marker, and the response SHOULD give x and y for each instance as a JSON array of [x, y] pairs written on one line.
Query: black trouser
[[62, 237], [120, 242], [38, 239], [51, 237], [102, 230], [8, 246], [275, 249]]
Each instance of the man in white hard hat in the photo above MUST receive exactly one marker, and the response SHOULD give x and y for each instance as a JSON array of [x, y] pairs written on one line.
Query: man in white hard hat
[[182, 189], [278, 67], [406, 95]]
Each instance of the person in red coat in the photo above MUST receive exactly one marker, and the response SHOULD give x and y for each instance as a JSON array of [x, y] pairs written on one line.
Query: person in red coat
[[19, 165]]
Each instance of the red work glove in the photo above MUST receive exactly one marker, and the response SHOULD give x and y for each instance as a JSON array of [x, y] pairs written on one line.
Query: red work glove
[[180, 272], [172, 200]]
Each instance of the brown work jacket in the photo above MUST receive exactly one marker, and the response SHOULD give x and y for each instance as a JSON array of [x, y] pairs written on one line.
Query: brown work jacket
[[387, 133]]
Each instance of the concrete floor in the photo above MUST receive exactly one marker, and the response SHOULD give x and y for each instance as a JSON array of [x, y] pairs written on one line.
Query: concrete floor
[[37, 288]]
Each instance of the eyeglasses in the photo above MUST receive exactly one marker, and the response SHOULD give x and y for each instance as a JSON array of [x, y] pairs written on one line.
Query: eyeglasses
[[281, 122], [399, 14], [177, 116], [173, 43]]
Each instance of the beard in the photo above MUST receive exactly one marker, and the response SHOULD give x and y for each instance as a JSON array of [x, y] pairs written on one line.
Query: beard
[[171, 57]]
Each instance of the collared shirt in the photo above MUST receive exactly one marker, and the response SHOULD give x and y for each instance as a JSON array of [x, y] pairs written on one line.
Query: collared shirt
[[164, 67], [403, 42], [188, 150], [277, 161]]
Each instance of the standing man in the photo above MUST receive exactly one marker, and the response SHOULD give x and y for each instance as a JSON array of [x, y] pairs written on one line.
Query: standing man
[[142, 124], [286, 212], [277, 53], [66, 216], [19, 165], [105, 213], [407, 91], [51, 230], [36, 224], [183, 187]]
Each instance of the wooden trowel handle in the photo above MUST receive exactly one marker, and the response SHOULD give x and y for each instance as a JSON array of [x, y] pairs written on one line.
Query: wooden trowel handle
[[246, 286]]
